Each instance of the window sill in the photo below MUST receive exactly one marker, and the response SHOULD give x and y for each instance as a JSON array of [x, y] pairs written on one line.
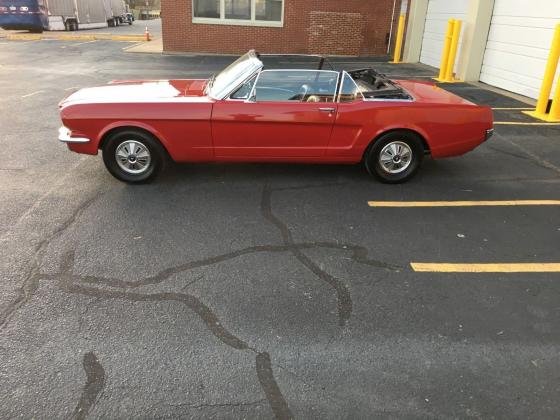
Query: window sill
[[238, 22]]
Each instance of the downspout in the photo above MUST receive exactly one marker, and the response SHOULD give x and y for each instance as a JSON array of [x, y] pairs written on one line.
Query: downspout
[[391, 27]]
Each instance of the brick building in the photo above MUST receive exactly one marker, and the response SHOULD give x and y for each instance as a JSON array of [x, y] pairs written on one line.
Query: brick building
[[335, 27]]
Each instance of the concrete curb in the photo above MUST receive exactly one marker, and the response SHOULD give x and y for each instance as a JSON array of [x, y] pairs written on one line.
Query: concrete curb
[[76, 37]]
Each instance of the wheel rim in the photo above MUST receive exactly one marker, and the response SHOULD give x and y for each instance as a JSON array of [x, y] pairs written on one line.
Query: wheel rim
[[395, 157], [133, 157]]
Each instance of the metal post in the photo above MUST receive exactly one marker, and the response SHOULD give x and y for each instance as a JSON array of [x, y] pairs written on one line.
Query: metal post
[[549, 73], [445, 51], [453, 50], [554, 115], [398, 44]]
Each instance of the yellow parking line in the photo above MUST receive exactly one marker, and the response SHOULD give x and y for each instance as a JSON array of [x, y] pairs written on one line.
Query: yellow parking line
[[486, 268], [463, 203], [512, 109], [523, 123]]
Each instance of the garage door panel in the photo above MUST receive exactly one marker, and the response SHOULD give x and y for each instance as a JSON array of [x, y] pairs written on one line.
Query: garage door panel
[[499, 47], [538, 38], [438, 14], [497, 79], [526, 83], [518, 44], [534, 8]]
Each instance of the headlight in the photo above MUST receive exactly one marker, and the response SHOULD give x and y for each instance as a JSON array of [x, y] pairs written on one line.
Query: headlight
[[24, 9]]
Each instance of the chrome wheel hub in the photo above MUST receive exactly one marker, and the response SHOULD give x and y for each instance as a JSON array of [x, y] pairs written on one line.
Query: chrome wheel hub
[[133, 157], [395, 157]]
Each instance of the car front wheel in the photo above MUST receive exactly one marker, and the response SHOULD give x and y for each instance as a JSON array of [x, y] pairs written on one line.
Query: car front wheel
[[133, 157], [395, 157]]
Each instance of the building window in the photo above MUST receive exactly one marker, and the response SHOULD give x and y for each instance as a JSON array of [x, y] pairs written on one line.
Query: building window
[[239, 12]]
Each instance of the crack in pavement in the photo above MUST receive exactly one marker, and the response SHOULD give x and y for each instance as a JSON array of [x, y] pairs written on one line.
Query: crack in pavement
[[538, 160], [270, 387], [74, 284], [211, 320], [344, 300], [95, 381], [263, 365], [359, 254], [31, 280], [220, 405]]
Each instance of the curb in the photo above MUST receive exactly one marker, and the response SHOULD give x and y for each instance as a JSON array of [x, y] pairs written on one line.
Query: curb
[[77, 37]]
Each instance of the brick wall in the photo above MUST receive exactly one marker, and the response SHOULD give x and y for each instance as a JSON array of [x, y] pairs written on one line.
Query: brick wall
[[337, 27]]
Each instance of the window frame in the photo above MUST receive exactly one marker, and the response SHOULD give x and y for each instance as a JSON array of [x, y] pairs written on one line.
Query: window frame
[[359, 97], [222, 20], [252, 97]]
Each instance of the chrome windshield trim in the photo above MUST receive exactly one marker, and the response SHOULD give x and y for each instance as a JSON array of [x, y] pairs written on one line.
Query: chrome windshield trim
[[254, 66], [64, 136], [344, 74]]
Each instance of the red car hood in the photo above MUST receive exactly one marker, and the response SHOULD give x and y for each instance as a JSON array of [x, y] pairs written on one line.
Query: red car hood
[[134, 91]]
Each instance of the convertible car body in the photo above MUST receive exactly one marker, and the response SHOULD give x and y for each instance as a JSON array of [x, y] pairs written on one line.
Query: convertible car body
[[251, 113]]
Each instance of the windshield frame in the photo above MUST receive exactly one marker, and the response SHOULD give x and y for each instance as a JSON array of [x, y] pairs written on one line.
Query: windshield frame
[[219, 86]]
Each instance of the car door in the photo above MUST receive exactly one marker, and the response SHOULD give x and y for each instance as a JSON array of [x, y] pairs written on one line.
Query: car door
[[288, 114]]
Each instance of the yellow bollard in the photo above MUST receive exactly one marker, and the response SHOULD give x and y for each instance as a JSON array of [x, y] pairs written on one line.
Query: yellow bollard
[[445, 52], [554, 115], [398, 43], [453, 51], [548, 80]]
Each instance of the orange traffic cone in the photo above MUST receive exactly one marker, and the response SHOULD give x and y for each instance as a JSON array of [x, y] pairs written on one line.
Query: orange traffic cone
[[147, 34]]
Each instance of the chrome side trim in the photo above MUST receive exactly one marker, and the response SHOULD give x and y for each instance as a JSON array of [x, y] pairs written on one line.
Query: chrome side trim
[[64, 136], [389, 100]]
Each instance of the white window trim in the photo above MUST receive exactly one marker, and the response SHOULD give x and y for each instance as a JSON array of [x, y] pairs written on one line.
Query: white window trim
[[238, 22]]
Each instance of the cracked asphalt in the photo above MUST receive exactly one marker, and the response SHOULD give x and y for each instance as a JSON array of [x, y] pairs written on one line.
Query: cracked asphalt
[[265, 291]]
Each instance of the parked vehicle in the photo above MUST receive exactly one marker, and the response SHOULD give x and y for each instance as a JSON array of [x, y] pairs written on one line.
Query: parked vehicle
[[23, 14], [250, 114], [115, 11], [128, 18], [39, 15]]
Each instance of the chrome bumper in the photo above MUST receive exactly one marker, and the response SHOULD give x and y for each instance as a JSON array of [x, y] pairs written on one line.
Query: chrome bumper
[[64, 136]]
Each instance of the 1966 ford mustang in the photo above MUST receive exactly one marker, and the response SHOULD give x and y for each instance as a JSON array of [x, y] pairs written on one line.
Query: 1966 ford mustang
[[247, 113]]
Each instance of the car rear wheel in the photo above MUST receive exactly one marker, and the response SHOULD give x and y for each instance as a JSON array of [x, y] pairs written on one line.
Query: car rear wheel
[[395, 157], [133, 157]]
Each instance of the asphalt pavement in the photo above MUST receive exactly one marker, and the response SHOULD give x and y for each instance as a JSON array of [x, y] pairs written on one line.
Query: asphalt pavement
[[262, 291]]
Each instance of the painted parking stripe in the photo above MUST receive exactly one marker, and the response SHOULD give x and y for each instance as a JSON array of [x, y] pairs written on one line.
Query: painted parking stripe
[[82, 43], [512, 109], [463, 203], [32, 94], [523, 123], [486, 268]]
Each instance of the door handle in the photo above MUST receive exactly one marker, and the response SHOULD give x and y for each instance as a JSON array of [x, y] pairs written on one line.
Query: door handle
[[329, 110]]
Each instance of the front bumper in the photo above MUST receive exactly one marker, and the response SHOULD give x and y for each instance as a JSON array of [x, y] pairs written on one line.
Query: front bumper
[[64, 135]]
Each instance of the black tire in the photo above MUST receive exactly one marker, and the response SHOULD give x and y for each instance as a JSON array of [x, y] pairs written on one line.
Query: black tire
[[156, 156], [408, 152]]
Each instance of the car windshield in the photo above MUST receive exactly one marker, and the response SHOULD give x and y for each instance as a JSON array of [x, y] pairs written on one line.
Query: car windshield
[[233, 75]]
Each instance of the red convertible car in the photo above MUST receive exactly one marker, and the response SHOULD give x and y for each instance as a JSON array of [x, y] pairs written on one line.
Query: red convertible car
[[248, 113]]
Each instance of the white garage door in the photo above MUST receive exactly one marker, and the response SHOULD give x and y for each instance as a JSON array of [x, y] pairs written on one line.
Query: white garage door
[[439, 13], [518, 44]]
